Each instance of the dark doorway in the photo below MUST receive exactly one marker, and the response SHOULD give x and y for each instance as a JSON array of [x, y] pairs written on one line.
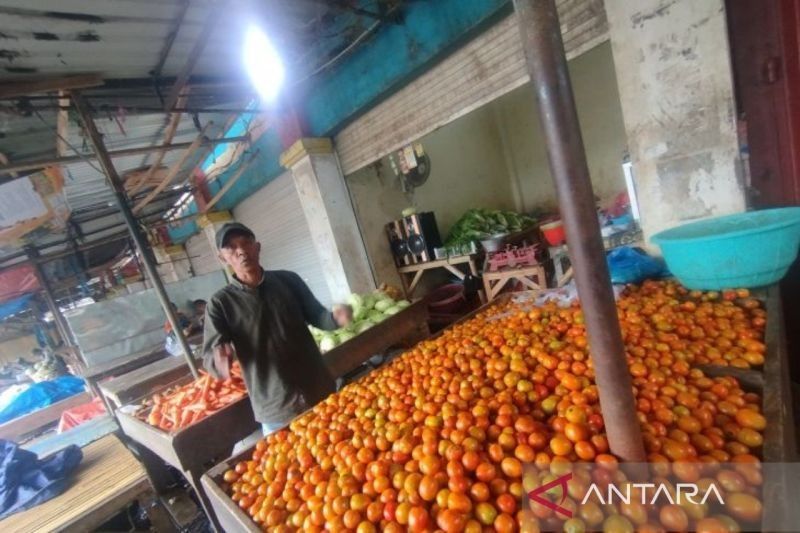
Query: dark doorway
[[766, 64]]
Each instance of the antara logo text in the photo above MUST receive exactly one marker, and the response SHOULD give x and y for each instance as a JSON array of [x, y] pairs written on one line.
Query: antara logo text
[[648, 493]]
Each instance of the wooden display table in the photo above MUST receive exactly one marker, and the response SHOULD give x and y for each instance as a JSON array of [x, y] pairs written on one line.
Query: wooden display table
[[410, 275], [532, 277], [193, 449], [108, 479]]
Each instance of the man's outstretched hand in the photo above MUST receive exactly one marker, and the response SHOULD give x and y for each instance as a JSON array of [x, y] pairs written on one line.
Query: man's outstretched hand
[[342, 315]]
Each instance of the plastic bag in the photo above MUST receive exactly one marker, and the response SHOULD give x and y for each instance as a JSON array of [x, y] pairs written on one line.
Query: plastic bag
[[628, 265]]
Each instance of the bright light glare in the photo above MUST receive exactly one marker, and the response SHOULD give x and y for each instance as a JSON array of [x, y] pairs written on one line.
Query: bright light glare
[[263, 64]]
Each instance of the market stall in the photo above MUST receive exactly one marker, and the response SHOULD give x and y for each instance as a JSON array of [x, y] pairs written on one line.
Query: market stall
[[552, 424]]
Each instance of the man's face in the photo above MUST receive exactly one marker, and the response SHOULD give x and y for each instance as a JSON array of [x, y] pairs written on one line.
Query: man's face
[[240, 252], [200, 309]]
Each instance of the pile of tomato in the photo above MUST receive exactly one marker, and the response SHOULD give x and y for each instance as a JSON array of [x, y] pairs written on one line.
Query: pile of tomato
[[440, 437]]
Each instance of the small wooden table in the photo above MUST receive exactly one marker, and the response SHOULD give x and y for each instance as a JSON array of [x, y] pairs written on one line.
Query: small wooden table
[[414, 272], [108, 479], [532, 277]]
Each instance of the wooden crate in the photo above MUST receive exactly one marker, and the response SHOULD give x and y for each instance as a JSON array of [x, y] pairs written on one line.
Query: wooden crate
[[406, 327], [192, 449], [230, 517]]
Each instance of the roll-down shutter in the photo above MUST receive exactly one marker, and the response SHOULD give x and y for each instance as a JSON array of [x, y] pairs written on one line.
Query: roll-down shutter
[[276, 217]]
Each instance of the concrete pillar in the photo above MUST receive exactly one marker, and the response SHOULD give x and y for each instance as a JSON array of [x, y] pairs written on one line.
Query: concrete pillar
[[673, 69], [330, 216], [173, 263]]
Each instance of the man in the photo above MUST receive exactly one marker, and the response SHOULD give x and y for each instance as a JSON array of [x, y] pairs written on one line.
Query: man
[[261, 319], [199, 317], [171, 342]]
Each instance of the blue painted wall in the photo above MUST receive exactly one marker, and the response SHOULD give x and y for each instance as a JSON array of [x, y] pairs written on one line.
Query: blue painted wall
[[382, 64]]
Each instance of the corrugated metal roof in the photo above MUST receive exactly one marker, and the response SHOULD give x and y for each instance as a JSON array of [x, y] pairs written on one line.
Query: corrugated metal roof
[[86, 185], [123, 40]]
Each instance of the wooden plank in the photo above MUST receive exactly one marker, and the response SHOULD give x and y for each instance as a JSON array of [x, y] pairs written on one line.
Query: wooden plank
[[230, 183], [62, 124], [229, 515], [407, 323], [14, 429], [13, 89], [173, 171], [751, 380], [106, 481], [779, 439], [169, 134]]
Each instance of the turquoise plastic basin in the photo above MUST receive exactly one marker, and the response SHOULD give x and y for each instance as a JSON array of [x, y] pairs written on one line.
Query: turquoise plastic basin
[[744, 250]]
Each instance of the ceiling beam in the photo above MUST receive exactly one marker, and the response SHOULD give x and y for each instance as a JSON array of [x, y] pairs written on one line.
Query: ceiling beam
[[13, 89], [168, 42], [62, 124], [173, 171], [42, 163], [194, 55], [230, 183], [169, 134]]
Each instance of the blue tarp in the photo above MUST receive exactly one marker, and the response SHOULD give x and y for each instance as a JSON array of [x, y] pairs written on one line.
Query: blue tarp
[[41, 395], [27, 481], [12, 307]]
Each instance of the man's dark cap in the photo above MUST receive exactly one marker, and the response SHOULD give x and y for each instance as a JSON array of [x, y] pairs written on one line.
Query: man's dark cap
[[230, 229]]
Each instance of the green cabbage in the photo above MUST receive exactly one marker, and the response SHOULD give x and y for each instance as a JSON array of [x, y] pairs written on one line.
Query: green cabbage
[[376, 316], [357, 303], [369, 301], [345, 336], [393, 310], [328, 343], [402, 304], [383, 305], [364, 326]]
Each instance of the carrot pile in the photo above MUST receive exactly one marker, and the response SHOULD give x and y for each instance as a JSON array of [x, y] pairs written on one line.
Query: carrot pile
[[182, 406]]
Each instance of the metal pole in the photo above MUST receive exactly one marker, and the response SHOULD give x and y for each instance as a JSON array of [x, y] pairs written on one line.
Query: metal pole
[[47, 291], [547, 65], [133, 227]]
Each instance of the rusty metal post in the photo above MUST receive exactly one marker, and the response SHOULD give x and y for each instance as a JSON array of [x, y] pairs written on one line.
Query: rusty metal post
[[133, 225], [547, 65]]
